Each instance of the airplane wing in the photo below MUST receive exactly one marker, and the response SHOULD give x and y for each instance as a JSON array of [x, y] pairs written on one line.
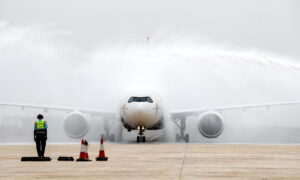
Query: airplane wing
[[77, 116], [57, 108], [186, 113], [211, 123]]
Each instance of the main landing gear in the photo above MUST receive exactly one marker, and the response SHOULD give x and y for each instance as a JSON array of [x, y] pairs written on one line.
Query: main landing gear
[[107, 135], [180, 123], [141, 137]]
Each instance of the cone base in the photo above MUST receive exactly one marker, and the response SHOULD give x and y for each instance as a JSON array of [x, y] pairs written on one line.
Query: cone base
[[101, 158], [65, 158], [83, 160]]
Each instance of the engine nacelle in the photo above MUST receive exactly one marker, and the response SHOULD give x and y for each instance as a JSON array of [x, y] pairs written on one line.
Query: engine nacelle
[[210, 124], [76, 125]]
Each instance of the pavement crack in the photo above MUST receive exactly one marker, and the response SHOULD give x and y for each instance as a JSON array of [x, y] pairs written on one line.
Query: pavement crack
[[181, 170]]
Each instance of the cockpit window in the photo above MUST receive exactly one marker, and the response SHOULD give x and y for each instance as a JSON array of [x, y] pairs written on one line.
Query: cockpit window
[[140, 99]]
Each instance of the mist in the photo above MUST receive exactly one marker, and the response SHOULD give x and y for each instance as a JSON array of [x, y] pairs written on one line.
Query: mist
[[56, 62]]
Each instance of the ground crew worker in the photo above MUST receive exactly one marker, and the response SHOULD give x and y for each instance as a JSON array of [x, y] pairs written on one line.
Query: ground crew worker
[[40, 135]]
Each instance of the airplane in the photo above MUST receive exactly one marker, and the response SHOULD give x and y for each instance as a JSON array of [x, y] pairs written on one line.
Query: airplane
[[144, 111]]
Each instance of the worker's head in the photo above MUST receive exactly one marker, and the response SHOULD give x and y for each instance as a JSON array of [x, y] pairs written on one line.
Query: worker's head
[[40, 116]]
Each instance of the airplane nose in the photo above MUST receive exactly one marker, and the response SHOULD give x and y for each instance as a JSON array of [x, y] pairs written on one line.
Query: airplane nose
[[139, 114], [140, 107], [138, 110]]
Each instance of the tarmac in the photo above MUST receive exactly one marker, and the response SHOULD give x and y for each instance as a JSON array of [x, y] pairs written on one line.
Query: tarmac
[[156, 161]]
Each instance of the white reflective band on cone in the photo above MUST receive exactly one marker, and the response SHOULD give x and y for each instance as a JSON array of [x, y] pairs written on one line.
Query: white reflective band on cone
[[101, 146], [82, 148]]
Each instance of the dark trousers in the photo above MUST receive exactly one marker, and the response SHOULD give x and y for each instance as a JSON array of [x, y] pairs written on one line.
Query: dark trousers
[[40, 144]]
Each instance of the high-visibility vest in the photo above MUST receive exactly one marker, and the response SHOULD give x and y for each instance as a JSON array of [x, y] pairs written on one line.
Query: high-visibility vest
[[40, 124]]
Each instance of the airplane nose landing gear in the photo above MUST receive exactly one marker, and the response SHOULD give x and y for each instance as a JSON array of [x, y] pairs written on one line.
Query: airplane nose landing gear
[[141, 137]]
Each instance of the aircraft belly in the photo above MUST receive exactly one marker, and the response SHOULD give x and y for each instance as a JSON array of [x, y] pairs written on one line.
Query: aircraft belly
[[145, 121]]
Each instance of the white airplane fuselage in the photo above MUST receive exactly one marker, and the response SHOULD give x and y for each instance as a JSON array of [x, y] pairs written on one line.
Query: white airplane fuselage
[[138, 112]]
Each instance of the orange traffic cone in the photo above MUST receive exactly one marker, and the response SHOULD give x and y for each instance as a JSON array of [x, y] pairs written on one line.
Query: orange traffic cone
[[101, 156], [83, 156]]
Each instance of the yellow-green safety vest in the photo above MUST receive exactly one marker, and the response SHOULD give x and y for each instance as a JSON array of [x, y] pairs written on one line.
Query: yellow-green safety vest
[[40, 124]]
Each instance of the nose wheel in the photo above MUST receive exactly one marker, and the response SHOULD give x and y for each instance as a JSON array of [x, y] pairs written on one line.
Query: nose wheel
[[141, 137]]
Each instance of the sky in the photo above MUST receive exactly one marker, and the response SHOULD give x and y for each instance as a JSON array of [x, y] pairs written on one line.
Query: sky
[[93, 43], [268, 25]]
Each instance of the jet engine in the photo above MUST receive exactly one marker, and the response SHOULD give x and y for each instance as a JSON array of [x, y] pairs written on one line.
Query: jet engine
[[210, 124], [76, 125]]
